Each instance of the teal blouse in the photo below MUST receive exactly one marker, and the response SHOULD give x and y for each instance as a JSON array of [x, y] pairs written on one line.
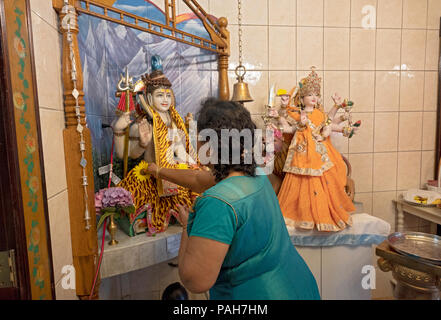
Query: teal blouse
[[261, 262]]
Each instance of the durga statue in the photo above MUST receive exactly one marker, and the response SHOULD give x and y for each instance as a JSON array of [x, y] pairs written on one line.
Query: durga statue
[[312, 193]]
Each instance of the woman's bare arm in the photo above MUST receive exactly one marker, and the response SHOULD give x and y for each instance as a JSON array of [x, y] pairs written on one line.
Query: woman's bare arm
[[200, 260], [195, 180]]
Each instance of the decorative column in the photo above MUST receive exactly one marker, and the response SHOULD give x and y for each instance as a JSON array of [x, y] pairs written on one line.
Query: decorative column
[[78, 157], [224, 89], [27, 215]]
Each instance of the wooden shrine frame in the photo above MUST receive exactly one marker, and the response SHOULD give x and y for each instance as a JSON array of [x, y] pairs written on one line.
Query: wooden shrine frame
[[84, 242], [24, 220]]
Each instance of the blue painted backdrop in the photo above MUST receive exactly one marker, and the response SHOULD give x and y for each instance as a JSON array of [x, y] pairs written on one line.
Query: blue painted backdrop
[[106, 49]]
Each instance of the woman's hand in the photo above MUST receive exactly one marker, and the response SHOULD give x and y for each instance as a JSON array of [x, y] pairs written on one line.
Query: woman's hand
[[182, 215], [152, 169]]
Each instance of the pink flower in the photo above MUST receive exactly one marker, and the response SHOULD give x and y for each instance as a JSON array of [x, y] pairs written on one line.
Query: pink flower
[[112, 197], [99, 201], [117, 196], [277, 134]]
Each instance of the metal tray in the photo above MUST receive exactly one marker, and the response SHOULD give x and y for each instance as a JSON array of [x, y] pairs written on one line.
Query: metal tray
[[424, 246], [414, 203]]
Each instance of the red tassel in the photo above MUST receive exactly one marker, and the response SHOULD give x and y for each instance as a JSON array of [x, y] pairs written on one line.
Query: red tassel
[[122, 103]]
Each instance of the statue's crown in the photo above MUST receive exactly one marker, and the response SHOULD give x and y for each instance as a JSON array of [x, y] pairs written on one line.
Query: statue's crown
[[310, 84], [156, 78]]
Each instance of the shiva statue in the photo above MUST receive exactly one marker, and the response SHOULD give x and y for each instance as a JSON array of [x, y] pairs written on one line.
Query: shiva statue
[[159, 134]]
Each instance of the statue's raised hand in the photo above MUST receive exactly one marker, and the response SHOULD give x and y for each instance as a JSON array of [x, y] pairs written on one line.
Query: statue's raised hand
[[337, 99], [123, 122], [283, 122], [326, 131], [303, 117], [145, 132], [273, 113], [189, 118]]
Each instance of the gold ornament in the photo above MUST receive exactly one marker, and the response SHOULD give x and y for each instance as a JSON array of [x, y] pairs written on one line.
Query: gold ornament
[[310, 84]]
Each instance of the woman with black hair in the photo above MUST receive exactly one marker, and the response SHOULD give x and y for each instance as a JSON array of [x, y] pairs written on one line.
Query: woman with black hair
[[235, 242]]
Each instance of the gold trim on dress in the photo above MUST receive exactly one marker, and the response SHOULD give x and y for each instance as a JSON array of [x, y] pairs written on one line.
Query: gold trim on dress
[[309, 171], [320, 148], [309, 225]]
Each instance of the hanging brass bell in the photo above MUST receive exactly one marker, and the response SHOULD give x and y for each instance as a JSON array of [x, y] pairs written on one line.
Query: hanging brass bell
[[241, 93]]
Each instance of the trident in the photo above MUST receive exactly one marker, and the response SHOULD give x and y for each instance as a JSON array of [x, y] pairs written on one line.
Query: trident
[[125, 84]]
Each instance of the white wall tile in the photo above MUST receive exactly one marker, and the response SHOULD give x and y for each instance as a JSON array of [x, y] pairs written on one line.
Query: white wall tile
[[282, 12], [410, 134], [47, 55], [282, 48], [385, 172], [384, 207], [59, 224], [310, 13], [409, 168], [52, 126], [362, 171], [255, 12]]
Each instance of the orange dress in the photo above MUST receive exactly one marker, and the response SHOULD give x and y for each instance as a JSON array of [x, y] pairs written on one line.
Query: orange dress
[[313, 189]]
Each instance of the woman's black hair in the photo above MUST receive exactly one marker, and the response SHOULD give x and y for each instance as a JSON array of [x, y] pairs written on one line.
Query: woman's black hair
[[175, 291], [217, 115]]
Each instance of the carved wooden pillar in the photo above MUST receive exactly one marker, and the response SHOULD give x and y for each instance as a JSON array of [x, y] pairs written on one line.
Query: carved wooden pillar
[[84, 241], [224, 89]]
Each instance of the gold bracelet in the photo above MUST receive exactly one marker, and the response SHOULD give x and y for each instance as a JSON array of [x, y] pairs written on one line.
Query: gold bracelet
[[158, 169], [328, 122]]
